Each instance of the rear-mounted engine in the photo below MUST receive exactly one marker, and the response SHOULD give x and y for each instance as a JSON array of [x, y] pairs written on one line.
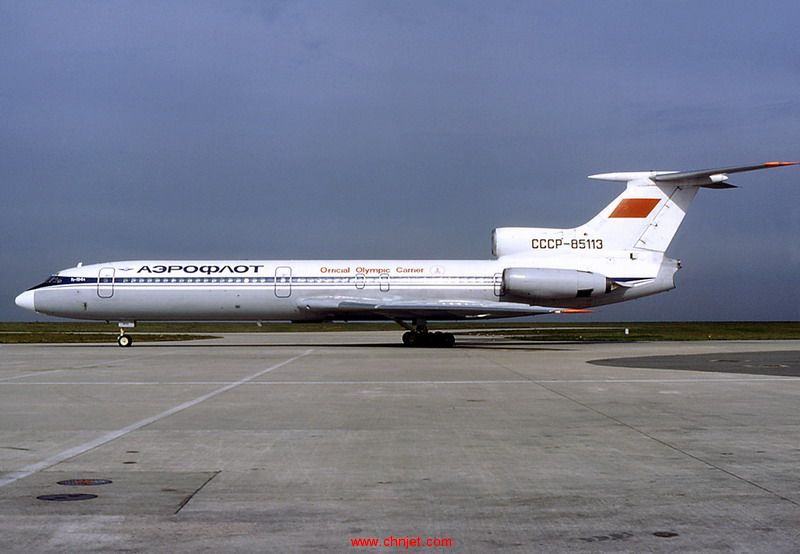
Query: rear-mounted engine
[[541, 285]]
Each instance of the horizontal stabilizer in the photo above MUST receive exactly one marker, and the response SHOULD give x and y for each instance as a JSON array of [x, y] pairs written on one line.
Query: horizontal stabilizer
[[708, 178], [710, 173]]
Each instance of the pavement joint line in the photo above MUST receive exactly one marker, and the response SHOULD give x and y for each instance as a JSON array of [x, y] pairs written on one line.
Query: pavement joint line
[[444, 382], [191, 496], [49, 371], [64, 455]]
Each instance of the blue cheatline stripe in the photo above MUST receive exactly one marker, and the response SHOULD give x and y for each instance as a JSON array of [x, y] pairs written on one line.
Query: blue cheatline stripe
[[70, 281], [459, 280]]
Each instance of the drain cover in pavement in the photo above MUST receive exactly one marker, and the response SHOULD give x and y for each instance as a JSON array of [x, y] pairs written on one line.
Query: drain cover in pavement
[[665, 534], [66, 497], [84, 482]]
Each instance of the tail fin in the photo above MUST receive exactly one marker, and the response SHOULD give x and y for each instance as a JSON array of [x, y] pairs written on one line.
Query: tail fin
[[647, 214]]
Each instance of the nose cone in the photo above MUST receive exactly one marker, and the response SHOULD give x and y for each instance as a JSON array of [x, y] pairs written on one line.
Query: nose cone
[[25, 300]]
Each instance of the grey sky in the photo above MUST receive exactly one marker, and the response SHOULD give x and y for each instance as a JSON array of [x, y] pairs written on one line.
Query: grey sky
[[395, 129]]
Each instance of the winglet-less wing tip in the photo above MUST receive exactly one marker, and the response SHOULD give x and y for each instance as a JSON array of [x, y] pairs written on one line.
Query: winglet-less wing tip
[[779, 164], [573, 311]]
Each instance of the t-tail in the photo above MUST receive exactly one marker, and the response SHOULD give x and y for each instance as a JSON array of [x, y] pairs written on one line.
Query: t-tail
[[626, 242], [649, 212]]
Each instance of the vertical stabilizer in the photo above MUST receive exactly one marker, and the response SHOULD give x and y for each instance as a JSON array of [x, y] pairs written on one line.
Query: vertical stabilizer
[[645, 216]]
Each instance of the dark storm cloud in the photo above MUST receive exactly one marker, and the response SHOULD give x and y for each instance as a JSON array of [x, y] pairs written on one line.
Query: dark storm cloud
[[378, 129]]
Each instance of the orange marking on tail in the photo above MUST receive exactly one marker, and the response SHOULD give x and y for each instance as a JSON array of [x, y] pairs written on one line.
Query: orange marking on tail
[[634, 207]]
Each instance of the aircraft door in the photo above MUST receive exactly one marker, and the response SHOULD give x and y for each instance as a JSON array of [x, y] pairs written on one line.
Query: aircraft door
[[283, 282], [105, 282], [383, 282]]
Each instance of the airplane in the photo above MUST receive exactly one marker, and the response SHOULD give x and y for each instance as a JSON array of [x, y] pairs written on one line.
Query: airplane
[[618, 255]]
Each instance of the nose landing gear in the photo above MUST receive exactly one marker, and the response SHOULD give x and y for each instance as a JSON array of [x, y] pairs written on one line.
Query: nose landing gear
[[123, 339]]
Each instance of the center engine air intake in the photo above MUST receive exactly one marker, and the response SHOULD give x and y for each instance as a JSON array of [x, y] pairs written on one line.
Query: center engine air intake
[[538, 284]]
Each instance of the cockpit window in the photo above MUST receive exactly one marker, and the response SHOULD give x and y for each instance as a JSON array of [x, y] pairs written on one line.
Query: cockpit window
[[52, 280]]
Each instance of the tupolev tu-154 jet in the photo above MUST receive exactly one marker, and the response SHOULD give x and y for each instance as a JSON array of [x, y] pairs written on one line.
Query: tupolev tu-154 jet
[[616, 256]]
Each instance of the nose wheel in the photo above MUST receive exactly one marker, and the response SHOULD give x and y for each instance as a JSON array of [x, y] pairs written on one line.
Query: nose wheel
[[123, 339]]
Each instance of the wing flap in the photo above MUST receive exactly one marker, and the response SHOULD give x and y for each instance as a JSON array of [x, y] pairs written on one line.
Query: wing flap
[[336, 307]]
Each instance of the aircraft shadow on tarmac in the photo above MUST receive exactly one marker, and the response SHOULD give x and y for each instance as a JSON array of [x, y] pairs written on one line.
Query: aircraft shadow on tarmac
[[457, 346], [783, 363], [493, 343]]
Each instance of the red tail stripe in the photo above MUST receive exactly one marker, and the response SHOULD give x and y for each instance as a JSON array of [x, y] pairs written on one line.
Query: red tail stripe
[[634, 207]]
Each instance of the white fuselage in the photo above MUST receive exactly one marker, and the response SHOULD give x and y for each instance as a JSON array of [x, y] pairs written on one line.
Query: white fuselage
[[253, 289], [278, 290]]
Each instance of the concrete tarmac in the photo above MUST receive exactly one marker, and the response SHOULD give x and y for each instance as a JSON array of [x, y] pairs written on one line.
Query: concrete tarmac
[[309, 442]]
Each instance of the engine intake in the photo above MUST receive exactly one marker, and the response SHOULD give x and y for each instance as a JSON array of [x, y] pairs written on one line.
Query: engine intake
[[539, 284]]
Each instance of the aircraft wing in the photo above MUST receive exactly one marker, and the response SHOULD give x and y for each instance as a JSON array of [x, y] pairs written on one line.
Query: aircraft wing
[[343, 308]]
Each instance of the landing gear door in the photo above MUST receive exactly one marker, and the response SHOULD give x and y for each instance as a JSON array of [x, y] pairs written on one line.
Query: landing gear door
[[105, 282], [283, 282]]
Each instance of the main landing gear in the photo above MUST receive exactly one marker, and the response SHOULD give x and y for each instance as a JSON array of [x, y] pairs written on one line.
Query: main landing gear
[[434, 340], [418, 335]]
